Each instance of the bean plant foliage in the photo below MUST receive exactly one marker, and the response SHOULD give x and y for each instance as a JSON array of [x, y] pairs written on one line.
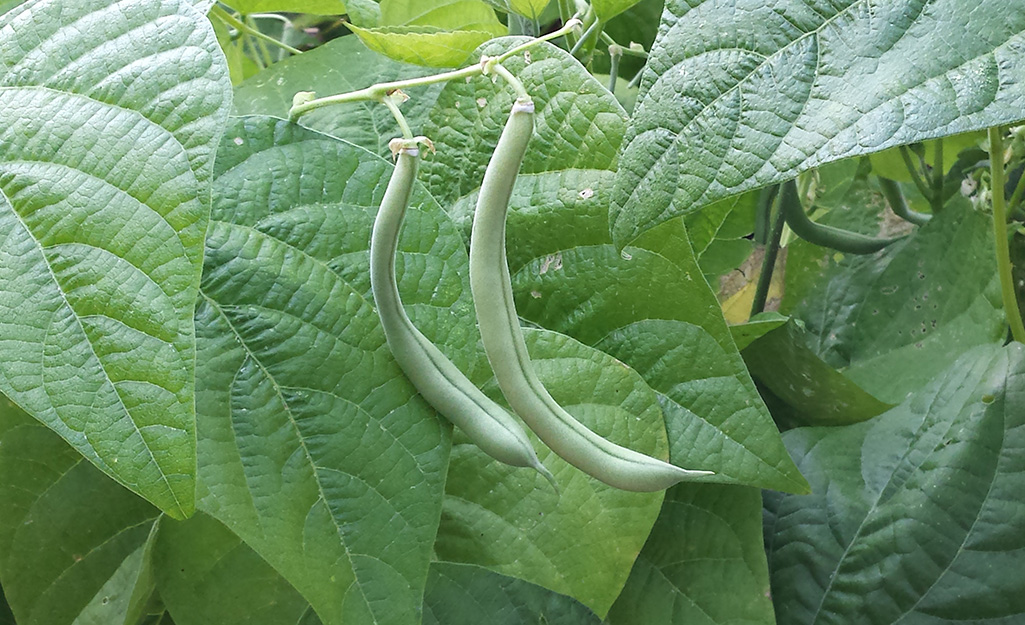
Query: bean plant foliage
[[201, 420]]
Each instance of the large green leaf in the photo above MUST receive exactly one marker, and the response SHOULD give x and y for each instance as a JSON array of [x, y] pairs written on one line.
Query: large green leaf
[[703, 564], [892, 321], [109, 117], [314, 448], [917, 515], [463, 594], [74, 545], [340, 65], [608, 9], [739, 94], [578, 123], [582, 540], [206, 575]]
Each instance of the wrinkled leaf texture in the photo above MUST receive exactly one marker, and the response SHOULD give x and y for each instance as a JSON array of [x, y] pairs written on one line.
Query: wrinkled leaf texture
[[741, 94], [109, 116]]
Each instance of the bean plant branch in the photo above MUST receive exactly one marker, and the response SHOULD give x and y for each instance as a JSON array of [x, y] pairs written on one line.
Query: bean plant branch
[[615, 54], [916, 175], [771, 252], [937, 176], [996, 163], [242, 27], [378, 91], [1015, 202]]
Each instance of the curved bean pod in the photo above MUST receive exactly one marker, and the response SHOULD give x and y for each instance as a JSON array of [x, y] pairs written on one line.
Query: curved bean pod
[[444, 387], [821, 234], [503, 340]]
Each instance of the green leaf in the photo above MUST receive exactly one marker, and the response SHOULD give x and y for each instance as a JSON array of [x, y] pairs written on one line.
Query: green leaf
[[894, 320], [740, 95], [917, 515], [340, 65], [755, 328], [608, 9], [718, 234], [109, 116], [423, 45], [447, 14], [703, 564], [578, 124], [319, 7], [206, 574], [782, 362], [463, 594], [582, 541], [74, 545], [314, 448], [435, 33]]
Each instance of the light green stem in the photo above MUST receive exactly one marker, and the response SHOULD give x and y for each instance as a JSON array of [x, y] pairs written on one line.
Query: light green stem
[[241, 26], [996, 161], [378, 91]]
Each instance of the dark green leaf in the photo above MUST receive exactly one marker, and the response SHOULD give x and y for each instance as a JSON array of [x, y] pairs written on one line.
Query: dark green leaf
[[917, 516], [782, 362], [702, 565], [738, 95], [109, 117], [74, 545], [755, 328], [893, 320], [463, 594], [207, 575]]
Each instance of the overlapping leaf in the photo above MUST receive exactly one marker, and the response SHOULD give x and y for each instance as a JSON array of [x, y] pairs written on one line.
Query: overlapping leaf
[[109, 117], [461, 594], [314, 448], [205, 575], [699, 567], [74, 545], [742, 94], [917, 515]]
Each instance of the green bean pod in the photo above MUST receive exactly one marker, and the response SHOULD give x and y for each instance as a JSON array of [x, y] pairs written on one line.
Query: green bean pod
[[503, 340], [444, 387], [821, 234]]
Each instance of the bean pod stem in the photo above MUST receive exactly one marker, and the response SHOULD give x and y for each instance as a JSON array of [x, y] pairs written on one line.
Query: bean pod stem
[[439, 381], [503, 340]]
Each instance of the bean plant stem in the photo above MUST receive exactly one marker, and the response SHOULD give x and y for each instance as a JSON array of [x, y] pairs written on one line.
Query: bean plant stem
[[584, 38], [378, 91], [629, 51], [514, 82], [407, 132], [615, 54], [1019, 190], [242, 27], [771, 252], [916, 176], [996, 161], [937, 177]]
